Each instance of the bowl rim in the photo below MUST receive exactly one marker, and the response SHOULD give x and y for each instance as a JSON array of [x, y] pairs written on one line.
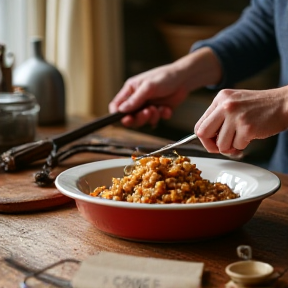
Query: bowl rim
[[66, 183], [241, 276]]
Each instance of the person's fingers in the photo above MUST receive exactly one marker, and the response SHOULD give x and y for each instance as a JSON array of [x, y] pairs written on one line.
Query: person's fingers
[[207, 128], [138, 119], [142, 117], [165, 112], [210, 126], [226, 136], [137, 98], [120, 97], [234, 154], [128, 121], [150, 114], [240, 141], [210, 144], [155, 116], [206, 114]]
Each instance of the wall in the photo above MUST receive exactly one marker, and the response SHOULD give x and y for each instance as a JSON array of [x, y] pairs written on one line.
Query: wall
[[145, 46]]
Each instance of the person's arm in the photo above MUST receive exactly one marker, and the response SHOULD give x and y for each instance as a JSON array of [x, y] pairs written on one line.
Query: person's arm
[[162, 89], [236, 117], [247, 46]]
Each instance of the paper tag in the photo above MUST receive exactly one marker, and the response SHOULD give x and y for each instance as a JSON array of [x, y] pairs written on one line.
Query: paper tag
[[111, 270]]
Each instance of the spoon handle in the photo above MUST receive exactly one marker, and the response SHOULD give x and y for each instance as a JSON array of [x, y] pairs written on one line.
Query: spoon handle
[[182, 141]]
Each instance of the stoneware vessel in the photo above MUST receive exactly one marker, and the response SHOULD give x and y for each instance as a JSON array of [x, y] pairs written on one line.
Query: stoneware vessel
[[43, 80], [249, 272]]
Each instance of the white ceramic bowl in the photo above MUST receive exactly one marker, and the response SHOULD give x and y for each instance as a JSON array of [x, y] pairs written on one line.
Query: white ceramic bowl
[[249, 272], [169, 222]]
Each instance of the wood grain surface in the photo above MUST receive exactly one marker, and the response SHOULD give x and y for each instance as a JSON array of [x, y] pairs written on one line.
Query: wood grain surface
[[18, 190], [40, 238]]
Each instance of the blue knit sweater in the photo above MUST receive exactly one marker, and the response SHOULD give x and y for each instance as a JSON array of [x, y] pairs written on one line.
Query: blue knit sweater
[[251, 44]]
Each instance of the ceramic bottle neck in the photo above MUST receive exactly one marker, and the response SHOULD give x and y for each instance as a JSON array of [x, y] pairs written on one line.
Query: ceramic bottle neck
[[2, 52], [37, 48]]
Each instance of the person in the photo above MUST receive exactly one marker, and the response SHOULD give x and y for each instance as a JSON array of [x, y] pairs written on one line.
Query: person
[[236, 116]]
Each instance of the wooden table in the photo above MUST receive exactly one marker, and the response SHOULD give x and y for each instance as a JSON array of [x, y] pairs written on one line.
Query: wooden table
[[42, 238]]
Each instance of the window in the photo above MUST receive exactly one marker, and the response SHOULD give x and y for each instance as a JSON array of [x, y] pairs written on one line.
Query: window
[[14, 28]]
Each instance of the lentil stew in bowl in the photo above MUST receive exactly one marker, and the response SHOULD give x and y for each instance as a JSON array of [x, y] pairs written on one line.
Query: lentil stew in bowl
[[164, 180]]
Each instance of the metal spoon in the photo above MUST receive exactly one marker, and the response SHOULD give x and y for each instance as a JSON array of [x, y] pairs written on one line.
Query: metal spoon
[[182, 141], [185, 140], [129, 168]]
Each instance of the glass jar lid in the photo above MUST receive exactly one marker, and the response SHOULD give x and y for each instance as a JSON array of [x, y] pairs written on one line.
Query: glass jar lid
[[17, 100]]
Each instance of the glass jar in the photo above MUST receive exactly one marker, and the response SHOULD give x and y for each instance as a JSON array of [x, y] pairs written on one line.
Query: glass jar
[[18, 119]]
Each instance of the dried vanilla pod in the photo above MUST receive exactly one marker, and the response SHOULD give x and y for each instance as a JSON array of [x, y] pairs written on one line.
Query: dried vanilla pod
[[43, 177], [21, 156]]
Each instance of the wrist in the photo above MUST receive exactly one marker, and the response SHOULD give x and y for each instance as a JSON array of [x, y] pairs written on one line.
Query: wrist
[[284, 92], [200, 68]]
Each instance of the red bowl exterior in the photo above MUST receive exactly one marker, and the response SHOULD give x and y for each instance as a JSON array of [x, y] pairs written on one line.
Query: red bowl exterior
[[167, 225], [169, 222]]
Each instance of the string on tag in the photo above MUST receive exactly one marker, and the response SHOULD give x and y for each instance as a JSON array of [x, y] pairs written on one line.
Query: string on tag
[[43, 276]]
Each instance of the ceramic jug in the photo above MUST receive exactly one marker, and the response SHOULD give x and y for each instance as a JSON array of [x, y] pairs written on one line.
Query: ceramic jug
[[43, 80]]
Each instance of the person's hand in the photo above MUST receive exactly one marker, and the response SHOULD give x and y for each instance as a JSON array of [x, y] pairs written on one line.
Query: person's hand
[[162, 89], [236, 117]]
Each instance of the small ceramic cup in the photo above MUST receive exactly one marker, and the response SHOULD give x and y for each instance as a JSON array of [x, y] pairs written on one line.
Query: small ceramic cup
[[249, 272]]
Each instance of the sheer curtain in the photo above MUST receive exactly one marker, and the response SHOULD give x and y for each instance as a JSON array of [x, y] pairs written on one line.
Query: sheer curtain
[[82, 38], [14, 27]]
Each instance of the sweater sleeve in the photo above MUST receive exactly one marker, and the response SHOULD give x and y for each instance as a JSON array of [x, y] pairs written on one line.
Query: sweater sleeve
[[247, 46]]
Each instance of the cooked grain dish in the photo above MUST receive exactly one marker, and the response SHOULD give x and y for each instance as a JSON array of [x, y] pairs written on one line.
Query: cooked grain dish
[[164, 180]]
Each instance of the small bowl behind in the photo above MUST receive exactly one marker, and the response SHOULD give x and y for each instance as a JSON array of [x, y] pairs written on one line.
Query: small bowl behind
[[249, 272]]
